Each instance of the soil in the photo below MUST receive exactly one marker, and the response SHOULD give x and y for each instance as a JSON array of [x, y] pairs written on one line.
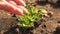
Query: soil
[[48, 25]]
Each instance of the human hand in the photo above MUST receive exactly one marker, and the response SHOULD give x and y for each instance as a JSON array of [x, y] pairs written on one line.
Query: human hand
[[13, 6]]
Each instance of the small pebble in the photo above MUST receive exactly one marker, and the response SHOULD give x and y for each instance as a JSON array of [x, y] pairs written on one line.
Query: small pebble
[[17, 29], [50, 14]]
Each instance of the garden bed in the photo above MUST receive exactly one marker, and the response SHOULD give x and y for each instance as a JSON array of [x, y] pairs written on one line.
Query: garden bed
[[48, 25]]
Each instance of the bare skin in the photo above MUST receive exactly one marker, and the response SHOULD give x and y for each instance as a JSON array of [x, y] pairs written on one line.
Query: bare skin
[[13, 6]]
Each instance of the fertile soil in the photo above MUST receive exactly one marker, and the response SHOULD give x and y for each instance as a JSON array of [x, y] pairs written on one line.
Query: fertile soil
[[48, 25]]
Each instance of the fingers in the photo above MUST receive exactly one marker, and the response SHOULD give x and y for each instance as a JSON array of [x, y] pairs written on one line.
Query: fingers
[[12, 2], [20, 2], [17, 2], [20, 7], [24, 10], [17, 11], [11, 8], [2, 5]]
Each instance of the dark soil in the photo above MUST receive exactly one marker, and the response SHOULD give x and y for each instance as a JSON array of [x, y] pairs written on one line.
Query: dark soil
[[48, 25]]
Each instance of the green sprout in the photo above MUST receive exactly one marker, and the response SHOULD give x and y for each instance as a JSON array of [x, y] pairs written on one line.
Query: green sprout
[[34, 15]]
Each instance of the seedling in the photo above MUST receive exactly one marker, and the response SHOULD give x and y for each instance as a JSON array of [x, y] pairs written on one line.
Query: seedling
[[34, 15]]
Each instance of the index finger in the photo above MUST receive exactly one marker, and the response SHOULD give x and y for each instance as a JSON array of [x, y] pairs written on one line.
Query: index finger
[[20, 2]]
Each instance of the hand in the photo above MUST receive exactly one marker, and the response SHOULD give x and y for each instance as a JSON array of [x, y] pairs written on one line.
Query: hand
[[13, 6]]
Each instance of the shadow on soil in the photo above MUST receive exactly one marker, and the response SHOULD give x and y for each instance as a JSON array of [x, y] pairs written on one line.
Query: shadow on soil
[[23, 30], [11, 31], [57, 31], [54, 5], [28, 30]]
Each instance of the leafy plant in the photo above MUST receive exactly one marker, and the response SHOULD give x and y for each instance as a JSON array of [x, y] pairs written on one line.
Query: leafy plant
[[34, 15]]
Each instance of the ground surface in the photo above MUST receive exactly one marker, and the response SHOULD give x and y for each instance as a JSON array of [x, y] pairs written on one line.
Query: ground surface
[[50, 25]]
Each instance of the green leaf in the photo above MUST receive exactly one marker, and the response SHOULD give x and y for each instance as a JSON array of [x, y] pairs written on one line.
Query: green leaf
[[34, 15]]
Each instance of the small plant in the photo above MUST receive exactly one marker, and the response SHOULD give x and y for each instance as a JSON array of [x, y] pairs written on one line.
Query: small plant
[[34, 15]]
